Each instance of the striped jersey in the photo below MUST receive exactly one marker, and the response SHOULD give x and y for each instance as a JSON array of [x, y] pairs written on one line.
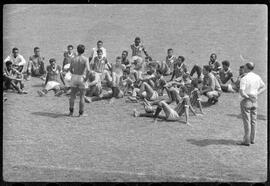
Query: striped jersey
[[137, 50], [99, 65]]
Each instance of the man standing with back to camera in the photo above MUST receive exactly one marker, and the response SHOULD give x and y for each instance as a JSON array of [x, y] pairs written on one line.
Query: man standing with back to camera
[[79, 69], [251, 85]]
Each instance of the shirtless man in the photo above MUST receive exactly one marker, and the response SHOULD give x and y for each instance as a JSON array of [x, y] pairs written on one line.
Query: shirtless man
[[79, 69]]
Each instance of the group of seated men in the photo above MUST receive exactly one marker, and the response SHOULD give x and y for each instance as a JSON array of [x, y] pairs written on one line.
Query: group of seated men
[[139, 78]]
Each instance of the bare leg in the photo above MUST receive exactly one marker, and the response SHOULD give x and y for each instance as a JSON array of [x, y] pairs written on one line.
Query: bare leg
[[72, 99], [146, 87], [81, 106]]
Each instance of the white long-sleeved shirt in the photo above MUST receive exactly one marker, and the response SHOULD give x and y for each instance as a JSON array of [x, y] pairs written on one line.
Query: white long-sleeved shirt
[[19, 60]]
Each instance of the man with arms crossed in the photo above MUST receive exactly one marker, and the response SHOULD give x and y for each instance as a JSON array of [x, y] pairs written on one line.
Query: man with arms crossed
[[251, 85], [79, 69]]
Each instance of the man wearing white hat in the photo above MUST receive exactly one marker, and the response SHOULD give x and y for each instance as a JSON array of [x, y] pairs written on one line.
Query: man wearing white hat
[[251, 85]]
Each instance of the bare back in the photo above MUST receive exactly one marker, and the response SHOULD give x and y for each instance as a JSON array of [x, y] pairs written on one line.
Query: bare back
[[79, 65]]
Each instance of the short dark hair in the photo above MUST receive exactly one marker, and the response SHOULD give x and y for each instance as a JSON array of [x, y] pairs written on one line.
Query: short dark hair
[[70, 46], [36, 48], [118, 57], [8, 63], [226, 63], [213, 54], [182, 58], [80, 48], [14, 49], [52, 60], [242, 66], [170, 49], [99, 51], [125, 52], [250, 66], [137, 38], [207, 68], [99, 41]]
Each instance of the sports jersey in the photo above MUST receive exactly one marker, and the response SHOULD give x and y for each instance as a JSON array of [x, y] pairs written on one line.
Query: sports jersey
[[215, 66], [225, 76], [125, 61], [68, 57], [99, 64], [37, 61], [137, 50], [170, 62], [180, 70], [53, 74], [19, 60]]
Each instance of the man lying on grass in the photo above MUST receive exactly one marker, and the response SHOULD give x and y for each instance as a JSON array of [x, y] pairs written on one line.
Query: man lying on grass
[[171, 114], [52, 82]]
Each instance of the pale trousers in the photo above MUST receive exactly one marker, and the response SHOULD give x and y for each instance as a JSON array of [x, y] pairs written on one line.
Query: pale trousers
[[249, 116]]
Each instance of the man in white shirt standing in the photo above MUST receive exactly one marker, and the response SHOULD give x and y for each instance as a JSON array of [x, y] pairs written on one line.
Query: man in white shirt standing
[[18, 61], [251, 85], [94, 51]]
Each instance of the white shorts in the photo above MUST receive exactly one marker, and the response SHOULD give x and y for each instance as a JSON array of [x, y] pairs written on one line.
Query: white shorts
[[173, 116], [134, 58], [154, 96], [77, 81], [51, 84]]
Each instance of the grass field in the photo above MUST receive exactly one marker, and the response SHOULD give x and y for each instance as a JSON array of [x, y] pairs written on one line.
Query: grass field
[[41, 144]]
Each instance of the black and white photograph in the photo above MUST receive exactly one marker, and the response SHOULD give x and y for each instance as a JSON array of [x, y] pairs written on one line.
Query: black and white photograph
[[135, 92]]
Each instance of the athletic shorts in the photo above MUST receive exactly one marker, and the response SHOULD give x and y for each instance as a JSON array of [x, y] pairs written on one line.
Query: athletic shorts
[[173, 116], [154, 96], [51, 85], [213, 93], [77, 81], [133, 58]]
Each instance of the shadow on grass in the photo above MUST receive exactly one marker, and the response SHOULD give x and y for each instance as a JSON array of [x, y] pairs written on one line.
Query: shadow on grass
[[206, 142], [50, 114], [206, 104], [239, 116], [38, 85]]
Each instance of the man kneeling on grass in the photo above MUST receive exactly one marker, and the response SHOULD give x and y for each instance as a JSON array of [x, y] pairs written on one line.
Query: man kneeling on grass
[[171, 114], [54, 73], [94, 87], [12, 79]]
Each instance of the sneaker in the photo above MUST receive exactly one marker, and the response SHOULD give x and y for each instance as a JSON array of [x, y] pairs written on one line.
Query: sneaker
[[4, 99], [43, 78], [40, 93], [70, 114], [135, 113]]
